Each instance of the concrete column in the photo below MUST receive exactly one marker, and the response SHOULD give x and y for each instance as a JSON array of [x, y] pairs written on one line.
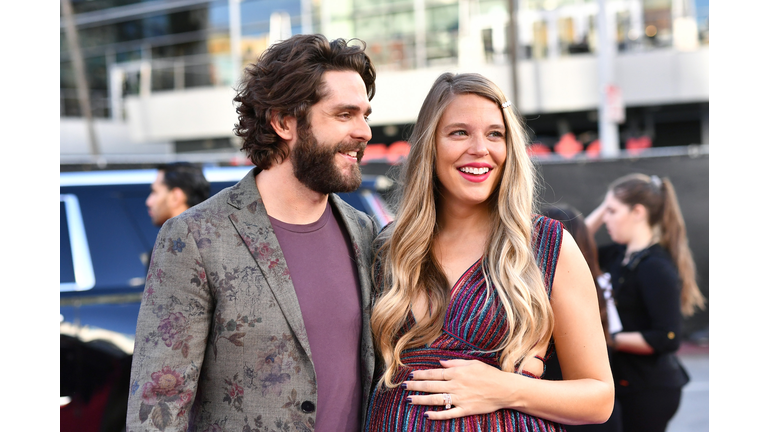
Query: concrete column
[[608, 129]]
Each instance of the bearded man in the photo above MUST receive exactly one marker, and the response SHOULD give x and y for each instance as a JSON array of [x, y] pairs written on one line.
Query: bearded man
[[255, 315]]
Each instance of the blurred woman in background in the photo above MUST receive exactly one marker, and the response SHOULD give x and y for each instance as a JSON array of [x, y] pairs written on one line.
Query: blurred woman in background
[[654, 284]]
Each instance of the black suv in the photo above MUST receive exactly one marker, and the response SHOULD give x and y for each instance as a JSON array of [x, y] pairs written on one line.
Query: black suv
[[106, 239]]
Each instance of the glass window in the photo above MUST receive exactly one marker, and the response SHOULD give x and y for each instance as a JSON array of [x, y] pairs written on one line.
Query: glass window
[[75, 258], [442, 34], [83, 6], [390, 38], [540, 46], [66, 264]]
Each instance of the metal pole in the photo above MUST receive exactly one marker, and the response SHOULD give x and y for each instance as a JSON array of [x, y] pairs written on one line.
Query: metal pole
[[608, 129], [235, 37], [80, 81], [512, 47]]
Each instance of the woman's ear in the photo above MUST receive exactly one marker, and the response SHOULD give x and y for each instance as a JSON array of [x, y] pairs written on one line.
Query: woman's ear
[[639, 213], [284, 126]]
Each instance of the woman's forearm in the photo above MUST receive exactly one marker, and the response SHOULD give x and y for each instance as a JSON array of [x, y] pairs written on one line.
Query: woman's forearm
[[572, 402], [631, 342]]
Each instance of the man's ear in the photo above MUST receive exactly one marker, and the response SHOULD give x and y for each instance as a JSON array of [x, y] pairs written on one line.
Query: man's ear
[[178, 198], [284, 126]]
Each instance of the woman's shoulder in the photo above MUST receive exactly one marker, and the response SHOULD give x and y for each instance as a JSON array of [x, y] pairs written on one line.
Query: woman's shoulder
[[656, 257], [545, 227]]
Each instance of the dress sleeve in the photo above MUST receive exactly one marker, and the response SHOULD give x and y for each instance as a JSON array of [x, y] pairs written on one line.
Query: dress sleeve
[[546, 242], [171, 334], [660, 290]]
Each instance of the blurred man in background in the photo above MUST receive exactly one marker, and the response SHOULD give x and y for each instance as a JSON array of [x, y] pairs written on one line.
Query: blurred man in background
[[178, 186]]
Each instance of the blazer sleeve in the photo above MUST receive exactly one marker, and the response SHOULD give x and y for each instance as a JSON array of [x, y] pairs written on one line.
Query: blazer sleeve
[[660, 288], [171, 334]]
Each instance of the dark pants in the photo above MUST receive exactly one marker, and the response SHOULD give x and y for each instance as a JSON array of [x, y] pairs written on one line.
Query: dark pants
[[648, 410]]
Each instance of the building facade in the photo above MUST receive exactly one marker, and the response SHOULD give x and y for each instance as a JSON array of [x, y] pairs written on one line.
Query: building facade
[[161, 73]]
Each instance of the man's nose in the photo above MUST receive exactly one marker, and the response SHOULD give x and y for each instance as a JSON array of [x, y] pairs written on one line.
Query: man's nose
[[362, 131]]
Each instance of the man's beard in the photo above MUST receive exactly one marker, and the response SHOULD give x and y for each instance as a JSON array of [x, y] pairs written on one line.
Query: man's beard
[[314, 165]]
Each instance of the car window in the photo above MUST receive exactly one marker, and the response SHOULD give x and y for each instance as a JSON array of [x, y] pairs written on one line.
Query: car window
[[120, 233], [75, 262], [67, 266]]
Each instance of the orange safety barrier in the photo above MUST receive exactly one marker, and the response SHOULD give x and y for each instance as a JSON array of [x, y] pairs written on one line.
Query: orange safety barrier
[[593, 149], [568, 146], [538, 149], [374, 153], [397, 151], [637, 145]]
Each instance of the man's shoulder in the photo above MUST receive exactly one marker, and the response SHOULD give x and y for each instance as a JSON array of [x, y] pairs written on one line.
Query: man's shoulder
[[214, 204], [349, 212], [216, 210], [228, 200]]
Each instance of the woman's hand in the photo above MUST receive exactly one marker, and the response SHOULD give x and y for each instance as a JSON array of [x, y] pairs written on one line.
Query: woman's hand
[[595, 219], [472, 385]]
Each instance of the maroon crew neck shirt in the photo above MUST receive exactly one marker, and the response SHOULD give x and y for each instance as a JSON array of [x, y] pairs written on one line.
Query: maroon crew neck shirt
[[323, 270]]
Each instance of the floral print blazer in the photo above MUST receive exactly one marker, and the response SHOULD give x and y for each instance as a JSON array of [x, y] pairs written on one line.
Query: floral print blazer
[[220, 341]]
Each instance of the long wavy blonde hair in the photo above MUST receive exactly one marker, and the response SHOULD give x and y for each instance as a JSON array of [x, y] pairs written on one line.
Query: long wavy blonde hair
[[406, 267]]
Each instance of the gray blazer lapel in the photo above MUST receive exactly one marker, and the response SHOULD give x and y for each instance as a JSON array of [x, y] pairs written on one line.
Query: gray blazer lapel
[[252, 223], [361, 232]]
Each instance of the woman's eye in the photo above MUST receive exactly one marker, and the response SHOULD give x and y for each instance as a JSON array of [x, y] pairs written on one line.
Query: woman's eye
[[497, 134], [459, 132]]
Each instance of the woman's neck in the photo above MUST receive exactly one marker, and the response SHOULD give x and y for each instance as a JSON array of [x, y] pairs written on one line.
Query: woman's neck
[[469, 223], [642, 238], [464, 229]]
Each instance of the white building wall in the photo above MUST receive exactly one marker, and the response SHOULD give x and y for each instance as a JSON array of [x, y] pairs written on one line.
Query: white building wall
[[568, 83], [206, 112], [113, 138]]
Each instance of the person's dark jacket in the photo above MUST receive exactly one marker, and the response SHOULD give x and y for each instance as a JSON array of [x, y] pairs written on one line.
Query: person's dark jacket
[[647, 295]]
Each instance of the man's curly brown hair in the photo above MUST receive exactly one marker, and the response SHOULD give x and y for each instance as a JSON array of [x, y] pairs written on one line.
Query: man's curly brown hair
[[286, 81]]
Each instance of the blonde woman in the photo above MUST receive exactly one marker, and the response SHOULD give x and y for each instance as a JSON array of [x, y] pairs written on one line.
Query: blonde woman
[[654, 286], [473, 287]]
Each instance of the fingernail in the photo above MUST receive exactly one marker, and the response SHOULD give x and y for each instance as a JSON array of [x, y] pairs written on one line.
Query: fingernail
[[404, 385], [409, 400], [426, 416], [410, 376]]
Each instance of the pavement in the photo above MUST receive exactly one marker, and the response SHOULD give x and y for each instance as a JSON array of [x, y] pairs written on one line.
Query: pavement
[[693, 414]]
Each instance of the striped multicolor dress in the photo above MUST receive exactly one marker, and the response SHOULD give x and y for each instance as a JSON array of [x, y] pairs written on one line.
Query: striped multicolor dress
[[473, 326]]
